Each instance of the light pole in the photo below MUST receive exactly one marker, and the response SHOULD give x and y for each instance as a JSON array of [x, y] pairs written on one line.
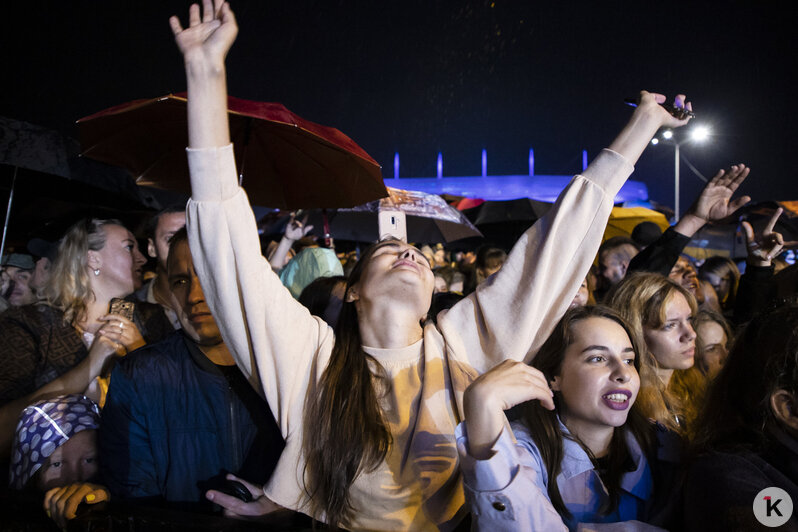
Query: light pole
[[697, 134]]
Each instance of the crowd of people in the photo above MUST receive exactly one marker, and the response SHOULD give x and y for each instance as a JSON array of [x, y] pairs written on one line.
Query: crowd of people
[[563, 384]]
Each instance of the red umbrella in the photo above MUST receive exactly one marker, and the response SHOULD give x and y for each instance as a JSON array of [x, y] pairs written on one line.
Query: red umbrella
[[284, 160], [468, 203]]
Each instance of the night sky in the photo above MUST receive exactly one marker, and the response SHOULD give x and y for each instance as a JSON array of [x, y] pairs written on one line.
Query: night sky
[[457, 77]]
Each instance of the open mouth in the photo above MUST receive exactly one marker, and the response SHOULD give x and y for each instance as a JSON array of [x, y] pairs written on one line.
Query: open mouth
[[617, 399]]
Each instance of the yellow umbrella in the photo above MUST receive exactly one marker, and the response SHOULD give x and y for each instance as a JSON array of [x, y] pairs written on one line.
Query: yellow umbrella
[[624, 219]]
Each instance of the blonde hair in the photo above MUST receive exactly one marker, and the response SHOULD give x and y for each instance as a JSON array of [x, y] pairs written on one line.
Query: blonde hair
[[69, 287], [641, 299]]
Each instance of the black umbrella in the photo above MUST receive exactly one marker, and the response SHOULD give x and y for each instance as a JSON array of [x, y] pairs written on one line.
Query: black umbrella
[[503, 222]]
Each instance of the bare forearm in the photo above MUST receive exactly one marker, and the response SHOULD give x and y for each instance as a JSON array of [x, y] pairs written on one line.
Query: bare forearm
[[635, 136], [74, 381], [689, 224], [277, 260], [207, 104], [484, 422]]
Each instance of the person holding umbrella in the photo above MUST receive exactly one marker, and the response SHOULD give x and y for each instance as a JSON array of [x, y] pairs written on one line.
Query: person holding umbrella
[[369, 411]]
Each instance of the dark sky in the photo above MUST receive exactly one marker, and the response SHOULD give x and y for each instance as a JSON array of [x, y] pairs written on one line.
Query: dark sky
[[459, 76]]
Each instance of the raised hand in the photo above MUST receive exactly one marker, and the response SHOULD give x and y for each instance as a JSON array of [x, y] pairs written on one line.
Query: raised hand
[[236, 508], [122, 331], [715, 203], [652, 100], [296, 229], [766, 245], [504, 386], [207, 38], [648, 118]]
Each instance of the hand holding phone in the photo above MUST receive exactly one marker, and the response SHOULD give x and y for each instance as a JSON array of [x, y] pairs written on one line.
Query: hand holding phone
[[677, 112], [123, 308]]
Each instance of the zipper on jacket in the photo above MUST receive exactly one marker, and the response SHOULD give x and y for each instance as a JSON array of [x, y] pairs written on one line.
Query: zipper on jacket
[[233, 429]]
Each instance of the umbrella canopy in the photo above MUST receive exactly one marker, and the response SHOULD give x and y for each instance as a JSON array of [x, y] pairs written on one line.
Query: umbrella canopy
[[504, 221], [623, 220], [466, 203], [429, 219], [516, 210], [284, 160], [46, 205]]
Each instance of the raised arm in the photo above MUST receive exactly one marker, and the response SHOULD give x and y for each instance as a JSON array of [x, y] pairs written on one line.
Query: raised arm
[[294, 230], [756, 287], [204, 45], [274, 340], [714, 203], [511, 314]]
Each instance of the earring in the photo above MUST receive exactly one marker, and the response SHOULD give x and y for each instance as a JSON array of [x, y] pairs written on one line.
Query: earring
[[97, 272]]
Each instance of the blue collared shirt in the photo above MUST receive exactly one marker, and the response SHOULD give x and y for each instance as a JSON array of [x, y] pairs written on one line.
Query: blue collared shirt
[[509, 491]]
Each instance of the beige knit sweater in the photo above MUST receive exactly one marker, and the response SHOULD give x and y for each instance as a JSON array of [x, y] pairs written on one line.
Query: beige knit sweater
[[284, 350]]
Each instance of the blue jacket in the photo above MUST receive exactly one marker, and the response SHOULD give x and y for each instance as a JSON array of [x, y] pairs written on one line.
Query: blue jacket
[[173, 420]]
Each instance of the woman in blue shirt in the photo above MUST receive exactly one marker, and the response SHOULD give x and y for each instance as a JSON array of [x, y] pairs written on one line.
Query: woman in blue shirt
[[580, 426]]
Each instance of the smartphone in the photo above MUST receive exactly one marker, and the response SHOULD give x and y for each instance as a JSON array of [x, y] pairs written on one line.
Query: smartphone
[[392, 224], [678, 112], [123, 308]]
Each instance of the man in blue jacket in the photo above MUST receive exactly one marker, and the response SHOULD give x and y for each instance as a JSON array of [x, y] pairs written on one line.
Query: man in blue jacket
[[179, 413]]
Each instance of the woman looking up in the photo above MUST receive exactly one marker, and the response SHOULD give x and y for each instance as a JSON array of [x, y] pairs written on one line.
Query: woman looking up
[[369, 413]]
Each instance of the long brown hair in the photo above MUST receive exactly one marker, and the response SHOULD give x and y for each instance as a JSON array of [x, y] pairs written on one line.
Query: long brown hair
[[544, 425], [641, 300], [345, 432]]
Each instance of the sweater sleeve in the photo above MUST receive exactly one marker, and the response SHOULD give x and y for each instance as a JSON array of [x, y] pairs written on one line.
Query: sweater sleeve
[[512, 313], [660, 255], [274, 339], [755, 291], [507, 491]]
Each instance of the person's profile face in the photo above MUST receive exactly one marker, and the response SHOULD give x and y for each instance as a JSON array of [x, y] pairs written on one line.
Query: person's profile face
[[41, 274], [21, 294], [611, 268], [684, 274], [714, 354], [582, 295], [168, 225], [74, 461], [120, 261]]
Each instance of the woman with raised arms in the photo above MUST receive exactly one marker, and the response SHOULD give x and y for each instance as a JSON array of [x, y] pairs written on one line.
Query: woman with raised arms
[[369, 411]]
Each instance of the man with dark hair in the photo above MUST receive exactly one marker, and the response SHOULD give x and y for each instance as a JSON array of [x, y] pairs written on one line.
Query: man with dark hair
[[179, 413], [158, 231], [18, 268], [614, 256]]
